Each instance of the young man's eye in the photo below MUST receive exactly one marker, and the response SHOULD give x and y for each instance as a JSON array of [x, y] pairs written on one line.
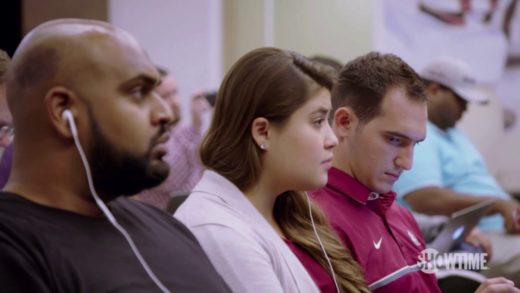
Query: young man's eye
[[395, 140]]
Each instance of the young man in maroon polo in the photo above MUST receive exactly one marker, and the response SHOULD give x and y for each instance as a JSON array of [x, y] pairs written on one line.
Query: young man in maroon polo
[[379, 107], [380, 113]]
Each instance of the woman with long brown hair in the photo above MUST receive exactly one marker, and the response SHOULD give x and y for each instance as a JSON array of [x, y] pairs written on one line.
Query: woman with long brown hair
[[269, 141]]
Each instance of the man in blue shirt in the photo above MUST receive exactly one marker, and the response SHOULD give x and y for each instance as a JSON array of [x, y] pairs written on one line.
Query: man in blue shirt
[[449, 173]]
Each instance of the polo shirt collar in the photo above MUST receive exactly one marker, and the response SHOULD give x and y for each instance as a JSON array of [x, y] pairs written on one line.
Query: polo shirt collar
[[352, 188]]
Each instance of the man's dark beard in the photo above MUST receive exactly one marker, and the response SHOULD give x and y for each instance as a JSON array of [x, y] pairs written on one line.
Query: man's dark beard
[[116, 173]]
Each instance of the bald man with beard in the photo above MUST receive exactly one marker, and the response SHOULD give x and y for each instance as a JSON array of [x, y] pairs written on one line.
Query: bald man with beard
[[54, 237]]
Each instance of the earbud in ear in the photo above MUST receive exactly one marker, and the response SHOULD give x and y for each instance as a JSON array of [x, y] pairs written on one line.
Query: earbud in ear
[[67, 115]]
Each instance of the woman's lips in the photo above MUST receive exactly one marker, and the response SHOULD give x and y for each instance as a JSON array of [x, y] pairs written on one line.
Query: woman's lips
[[327, 163]]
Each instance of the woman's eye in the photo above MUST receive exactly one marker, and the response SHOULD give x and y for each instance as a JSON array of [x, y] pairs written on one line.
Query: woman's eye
[[319, 122]]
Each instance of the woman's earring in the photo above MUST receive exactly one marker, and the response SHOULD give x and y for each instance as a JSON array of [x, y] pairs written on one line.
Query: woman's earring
[[262, 146]]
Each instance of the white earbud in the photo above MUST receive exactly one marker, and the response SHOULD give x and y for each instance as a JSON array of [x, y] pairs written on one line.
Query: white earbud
[[321, 244], [69, 117]]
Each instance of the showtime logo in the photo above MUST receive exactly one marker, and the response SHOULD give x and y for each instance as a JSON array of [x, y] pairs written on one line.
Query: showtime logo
[[431, 261]]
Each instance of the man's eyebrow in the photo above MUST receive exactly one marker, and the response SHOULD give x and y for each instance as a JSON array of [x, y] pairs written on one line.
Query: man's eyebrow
[[147, 79], [400, 135]]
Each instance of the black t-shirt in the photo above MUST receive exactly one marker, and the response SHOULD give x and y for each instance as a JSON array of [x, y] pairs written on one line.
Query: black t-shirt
[[44, 249]]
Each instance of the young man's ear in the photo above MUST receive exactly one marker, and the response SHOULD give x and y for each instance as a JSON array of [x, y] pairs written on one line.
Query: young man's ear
[[260, 132], [57, 100], [344, 121]]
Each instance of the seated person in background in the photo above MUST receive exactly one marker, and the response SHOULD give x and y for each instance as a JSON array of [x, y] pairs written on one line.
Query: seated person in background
[[56, 232], [6, 129], [185, 167], [449, 173], [379, 107], [5, 115], [268, 141]]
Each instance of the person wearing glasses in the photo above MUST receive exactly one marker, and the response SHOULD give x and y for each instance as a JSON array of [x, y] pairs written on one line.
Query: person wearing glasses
[[6, 129]]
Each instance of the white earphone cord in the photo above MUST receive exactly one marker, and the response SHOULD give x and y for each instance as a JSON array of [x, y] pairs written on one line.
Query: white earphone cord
[[107, 212], [321, 244]]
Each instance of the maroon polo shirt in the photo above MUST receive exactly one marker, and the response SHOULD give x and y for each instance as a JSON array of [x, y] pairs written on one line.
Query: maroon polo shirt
[[382, 236]]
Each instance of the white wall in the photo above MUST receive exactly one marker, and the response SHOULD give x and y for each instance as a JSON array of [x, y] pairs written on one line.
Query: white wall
[[337, 28], [199, 40], [247, 25], [183, 36], [341, 29]]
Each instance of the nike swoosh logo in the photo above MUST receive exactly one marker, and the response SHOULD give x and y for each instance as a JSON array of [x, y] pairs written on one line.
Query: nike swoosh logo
[[377, 244]]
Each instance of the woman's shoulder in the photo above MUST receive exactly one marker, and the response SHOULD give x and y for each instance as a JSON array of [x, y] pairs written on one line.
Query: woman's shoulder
[[203, 209]]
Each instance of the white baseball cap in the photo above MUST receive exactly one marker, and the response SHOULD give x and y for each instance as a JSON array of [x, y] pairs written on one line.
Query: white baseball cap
[[456, 75]]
